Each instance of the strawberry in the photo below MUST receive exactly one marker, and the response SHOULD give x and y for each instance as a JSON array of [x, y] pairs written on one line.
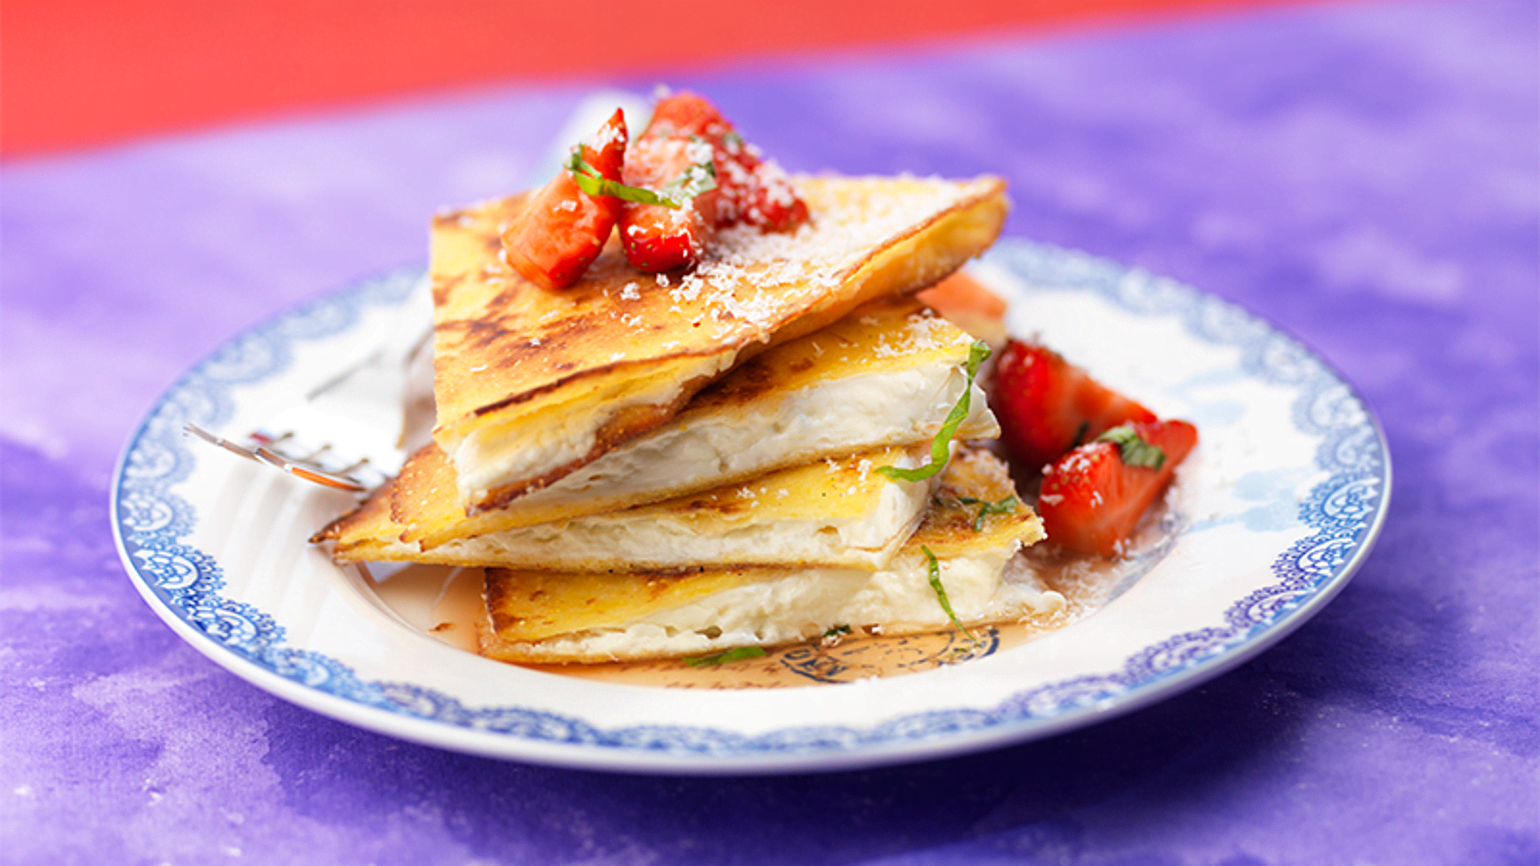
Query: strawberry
[[1093, 497], [691, 154], [669, 160], [962, 294], [754, 191], [966, 303], [658, 238], [1047, 406], [562, 228]]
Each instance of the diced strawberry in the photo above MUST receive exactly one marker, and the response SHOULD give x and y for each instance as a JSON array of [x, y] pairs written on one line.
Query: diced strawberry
[[1047, 405], [657, 237], [686, 133], [684, 114], [1091, 499], [754, 191], [562, 229], [960, 293], [968, 305]]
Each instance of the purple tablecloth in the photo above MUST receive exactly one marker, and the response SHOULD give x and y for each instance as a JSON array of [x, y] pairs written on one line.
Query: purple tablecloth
[[1365, 175]]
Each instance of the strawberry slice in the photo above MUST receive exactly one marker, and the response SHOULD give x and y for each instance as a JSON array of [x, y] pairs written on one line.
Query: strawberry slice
[[962, 294], [752, 190], [966, 303], [680, 168], [1047, 405], [755, 191], [1093, 497], [658, 238], [768, 200], [562, 229], [690, 154]]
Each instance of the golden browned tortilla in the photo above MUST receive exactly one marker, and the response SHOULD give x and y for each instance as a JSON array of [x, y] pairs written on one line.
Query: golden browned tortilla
[[887, 374], [531, 384], [552, 617]]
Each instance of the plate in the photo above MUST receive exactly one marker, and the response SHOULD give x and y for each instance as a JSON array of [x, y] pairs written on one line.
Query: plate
[[1276, 509]]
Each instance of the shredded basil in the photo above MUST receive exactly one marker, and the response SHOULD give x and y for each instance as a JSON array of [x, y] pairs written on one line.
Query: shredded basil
[[729, 655], [698, 178], [940, 447], [690, 183], [1134, 450], [837, 631], [935, 584], [589, 180], [1004, 506]]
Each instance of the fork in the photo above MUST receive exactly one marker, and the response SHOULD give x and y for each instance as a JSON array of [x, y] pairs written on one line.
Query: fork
[[355, 431]]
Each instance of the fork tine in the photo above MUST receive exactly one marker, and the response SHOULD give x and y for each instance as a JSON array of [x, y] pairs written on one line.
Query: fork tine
[[222, 442], [318, 476], [294, 466]]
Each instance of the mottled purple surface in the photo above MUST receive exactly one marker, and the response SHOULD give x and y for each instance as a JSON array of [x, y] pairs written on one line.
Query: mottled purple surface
[[1365, 175]]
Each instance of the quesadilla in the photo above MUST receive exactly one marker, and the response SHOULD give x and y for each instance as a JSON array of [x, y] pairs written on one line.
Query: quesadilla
[[532, 384], [885, 375], [965, 545], [831, 512]]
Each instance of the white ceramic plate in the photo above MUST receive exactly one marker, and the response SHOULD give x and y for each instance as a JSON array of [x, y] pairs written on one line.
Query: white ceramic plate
[[1279, 505]]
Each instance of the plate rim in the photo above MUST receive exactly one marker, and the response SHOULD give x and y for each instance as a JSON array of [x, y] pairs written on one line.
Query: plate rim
[[248, 643]]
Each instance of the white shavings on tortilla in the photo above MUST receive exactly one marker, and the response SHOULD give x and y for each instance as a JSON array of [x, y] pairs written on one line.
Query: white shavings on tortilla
[[931, 331], [750, 276], [921, 332], [836, 236]]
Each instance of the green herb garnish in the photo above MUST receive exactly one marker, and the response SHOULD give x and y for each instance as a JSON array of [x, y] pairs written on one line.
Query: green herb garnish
[[725, 656], [698, 178], [1004, 506], [690, 183], [940, 447], [935, 584], [1134, 450], [589, 180], [837, 631]]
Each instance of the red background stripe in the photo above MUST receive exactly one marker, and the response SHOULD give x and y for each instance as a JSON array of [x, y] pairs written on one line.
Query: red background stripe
[[83, 72]]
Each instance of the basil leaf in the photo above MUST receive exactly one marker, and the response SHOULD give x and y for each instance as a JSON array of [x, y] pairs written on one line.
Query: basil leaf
[[1004, 506], [698, 178], [935, 584], [590, 181], [1134, 450], [730, 655], [940, 447]]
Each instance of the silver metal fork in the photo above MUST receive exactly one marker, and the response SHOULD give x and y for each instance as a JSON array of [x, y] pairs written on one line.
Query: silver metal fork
[[355, 431]]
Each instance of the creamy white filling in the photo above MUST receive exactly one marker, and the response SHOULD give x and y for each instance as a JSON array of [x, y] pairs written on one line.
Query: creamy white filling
[[985, 588], [651, 538], [489, 456], [830, 419]]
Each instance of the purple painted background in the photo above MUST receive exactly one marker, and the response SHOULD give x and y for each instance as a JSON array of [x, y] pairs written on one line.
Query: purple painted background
[[1365, 175]]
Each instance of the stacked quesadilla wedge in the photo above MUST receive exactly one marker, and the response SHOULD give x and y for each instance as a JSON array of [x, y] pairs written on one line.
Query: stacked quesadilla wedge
[[544, 617], [650, 466], [532, 384]]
